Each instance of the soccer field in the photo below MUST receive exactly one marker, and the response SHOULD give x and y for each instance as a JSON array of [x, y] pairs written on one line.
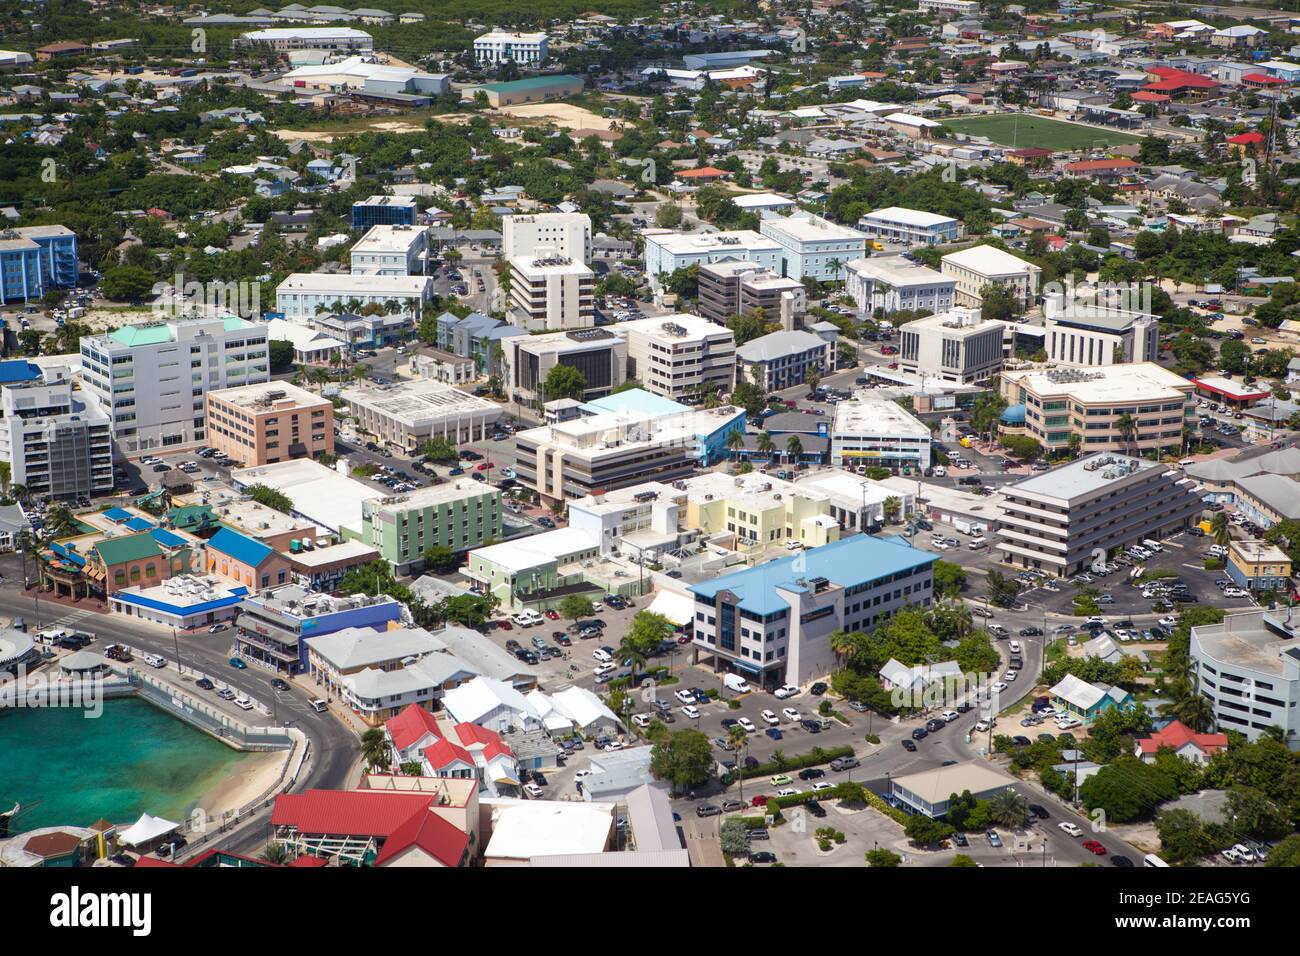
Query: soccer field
[[1021, 130]]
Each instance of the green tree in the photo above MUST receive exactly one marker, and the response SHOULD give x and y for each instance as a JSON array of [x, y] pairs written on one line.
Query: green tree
[[440, 559], [1127, 790], [374, 750], [575, 606], [266, 495], [1220, 528], [880, 857], [1008, 809], [648, 630], [949, 578], [564, 381], [1286, 853], [685, 760], [923, 831]]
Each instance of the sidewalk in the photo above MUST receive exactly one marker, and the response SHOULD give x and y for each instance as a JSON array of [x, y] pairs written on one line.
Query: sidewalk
[[315, 691]]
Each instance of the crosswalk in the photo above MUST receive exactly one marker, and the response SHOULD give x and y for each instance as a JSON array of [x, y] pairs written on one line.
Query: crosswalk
[[67, 621]]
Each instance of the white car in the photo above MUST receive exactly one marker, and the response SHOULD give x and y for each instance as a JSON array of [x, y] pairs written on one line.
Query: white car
[[690, 712], [822, 785], [583, 773], [1014, 647], [243, 703], [1010, 675], [786, 690], [792, 715], [948, 716], [747, 725], [769, 717], [1096, 619], [940, 471], [788, 792], [1123, 635], [1068, 723], [602, 655], [1235, 593], [1071, 829], [533, 790], [940, 546], [794, 545], [1168, 622], [1000, 686], [613, 745], [685, 696]]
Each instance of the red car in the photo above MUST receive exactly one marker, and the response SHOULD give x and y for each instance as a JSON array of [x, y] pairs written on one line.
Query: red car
[[759, 801], [684, 639], [552, 616], [1094, 847], [505, 625], [483, 466]]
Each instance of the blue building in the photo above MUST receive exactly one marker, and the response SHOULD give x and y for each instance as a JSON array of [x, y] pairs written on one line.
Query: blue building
[[273, 625], [711, 443], [36, 259], [18, 370], [383, 211]]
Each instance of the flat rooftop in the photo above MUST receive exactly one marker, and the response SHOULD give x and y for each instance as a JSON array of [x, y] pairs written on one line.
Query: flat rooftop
[[897, 271], [322, 283], [676, 328], [434, 495], [737, 241], [990, 261], [269, 397], [910, 217], [241, 513], [1254, 640], [753, 490], [388, 239], [323, 495], [811, 229], [1136, 382], [937, 785], [872, 416], [420, 402], [1084, 477]]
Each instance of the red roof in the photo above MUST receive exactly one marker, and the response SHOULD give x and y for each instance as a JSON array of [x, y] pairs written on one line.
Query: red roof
[[1235, 395], [471, 734], [1263, 78], [1178, 734], [1146, 96], [444, 753], [410, 725], [1246, 139], [350, 812], [1100, 165], [704, 172], [1187, 78], [309, 862], [441, 839]]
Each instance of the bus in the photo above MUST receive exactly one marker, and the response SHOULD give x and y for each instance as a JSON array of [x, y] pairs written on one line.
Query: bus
[[1152, 860]]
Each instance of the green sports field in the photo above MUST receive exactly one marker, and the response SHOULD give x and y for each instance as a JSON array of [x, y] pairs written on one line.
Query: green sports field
[[1021, 130]]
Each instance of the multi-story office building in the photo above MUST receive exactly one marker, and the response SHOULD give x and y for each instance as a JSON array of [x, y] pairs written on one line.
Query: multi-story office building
[[874, 432], [269, 422], [304, 294], [813, 247], [785, 358], [1095, 405], [679, 356], [758, 510], [285, 39], [57, 439], [390, 251], [1084, 333], [35, 260], [567, 233], [408, 414], [979, 266], [552, 292], [964, 8], [474, 337], [773, 622], [741, 288], [498, 46], [152, 378], [526, 361], [955, 346], [1248, 668], [894, 284], [383, 211], [666, 252], [273, 624], [459, 515], [916, 228], [1063, 521]]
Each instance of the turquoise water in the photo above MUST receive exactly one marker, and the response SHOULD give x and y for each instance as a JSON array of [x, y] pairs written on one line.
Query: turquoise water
[[132, 759]]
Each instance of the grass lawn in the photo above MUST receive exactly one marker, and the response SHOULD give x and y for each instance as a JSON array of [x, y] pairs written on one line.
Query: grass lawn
[[1022, 130]]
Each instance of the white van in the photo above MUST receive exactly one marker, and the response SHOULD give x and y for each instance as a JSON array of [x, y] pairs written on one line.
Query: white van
[[735, 682], [978, 542], [1152, 545], [319, 705], [1152, 860], [1186, 461], [155, 660]]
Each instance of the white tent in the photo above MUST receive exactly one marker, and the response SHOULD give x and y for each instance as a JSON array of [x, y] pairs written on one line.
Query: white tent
[[678, 608], [146, 830]]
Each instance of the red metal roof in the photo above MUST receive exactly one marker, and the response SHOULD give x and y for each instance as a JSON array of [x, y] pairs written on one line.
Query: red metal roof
[[1263, 78], [410, 725], [1097, 165], [1246, 139], [442, 840], [348, 812], [1178, 734], [444, 753], [1243, 394]]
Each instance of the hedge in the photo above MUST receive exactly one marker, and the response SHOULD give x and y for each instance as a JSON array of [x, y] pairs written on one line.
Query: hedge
[[811, 759]]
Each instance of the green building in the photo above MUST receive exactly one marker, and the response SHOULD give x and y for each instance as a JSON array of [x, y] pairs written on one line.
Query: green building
[[460, 515]]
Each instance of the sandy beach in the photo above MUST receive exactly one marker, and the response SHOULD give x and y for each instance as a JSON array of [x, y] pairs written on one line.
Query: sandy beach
[[252, 778]]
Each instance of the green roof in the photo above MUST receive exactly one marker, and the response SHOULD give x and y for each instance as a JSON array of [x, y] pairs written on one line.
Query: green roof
[[131, 547], [133, 335], [190, 516], [532, 83]]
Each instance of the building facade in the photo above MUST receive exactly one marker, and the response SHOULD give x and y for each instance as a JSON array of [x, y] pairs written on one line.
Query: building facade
[[57, 439], [876, 433], [1248, 668], [813, 247], [498, 46], [955, 346], [270, 422], [552, 292], [35, 260], [910, 226], [459, 515], [567, 233], [383, 211], [679, 356], [893, 284]]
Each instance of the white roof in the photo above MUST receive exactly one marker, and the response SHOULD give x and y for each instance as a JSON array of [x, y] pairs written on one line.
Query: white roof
[[907, 119], [935, 786], [897, 271], [761, 201], [522, 829], [363, 646], [582, 707], [300, 336], [678, 608], [475, 699], [145, 830], [537, 550], [737, 241], [324, 283], [317, 557], [912, 217], [320, 493], [1078, 692], [307, 33], [990, 261], [384, 238]]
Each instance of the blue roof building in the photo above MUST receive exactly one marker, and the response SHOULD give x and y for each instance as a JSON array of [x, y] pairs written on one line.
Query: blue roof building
[[18, 370], [773, 622]]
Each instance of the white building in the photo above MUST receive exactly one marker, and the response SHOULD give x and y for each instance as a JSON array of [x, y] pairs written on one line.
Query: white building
[[526, 361], [964, 8], [284, 39], [871, 431], [409, 413], [303, 294], [856, 503], [568, 234], [666, 252], [786, 358], [763, 202], [916, 228], [549, 292], [676, 355], [641, 519], [390, 251], [57, 440], [895, 284], [498, 46], [1082, 333], [954, 346], [1248, 668], [981, 266], [153, 378], [814, 247]]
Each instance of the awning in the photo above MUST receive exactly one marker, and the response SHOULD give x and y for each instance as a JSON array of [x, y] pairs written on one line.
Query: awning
[[678, 608], [749, 668], [146, 830]]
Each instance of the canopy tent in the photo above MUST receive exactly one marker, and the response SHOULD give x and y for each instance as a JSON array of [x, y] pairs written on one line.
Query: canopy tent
[[678, 608], [146, 830]]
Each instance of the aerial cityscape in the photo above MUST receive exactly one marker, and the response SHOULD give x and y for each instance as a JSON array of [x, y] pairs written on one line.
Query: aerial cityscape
[[758, 435]]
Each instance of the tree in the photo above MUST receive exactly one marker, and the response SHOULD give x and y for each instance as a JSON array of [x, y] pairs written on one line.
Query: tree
[[794, 448], [1126, 425], [648, 631], [564, 381], [949, 578], [266, 495], [812, 379], [669, 215], [1127, 790], [1286, 853], [439, 449], [999, 303], [1003, 590], [1008, 808], [1182, 837], [281, 355], [575, 606], [374, 750], [1021, 446], [735, 441], [923, 831], [1220, 528], [685, 759], [961, 859], [734, 837], [891, 507], [882, 857], [6, 475], [126, 283], [440, 559]]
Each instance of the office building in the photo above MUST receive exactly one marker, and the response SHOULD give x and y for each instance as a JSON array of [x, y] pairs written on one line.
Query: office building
[[955, 346], [269, 422], [1060, 522], [527, 360], [1259, 566], [813, 247], [755, 511], [408, 414], [35, 260], [498, 46], [568, 234], [551, 292], [876, 432], [535, 89], [56, 439], [910, 226], [459, 515], [302, 295], [782, 359], [963, 8], [741, 288], [1248, 668], [772, 623], [273, 624], [1094, 404], [390, 251], [1087, 334], [640, 520], [666, 252], [285, 39], [383, 211], [893, 284], [979, 266], [152, 378], [679, 356]]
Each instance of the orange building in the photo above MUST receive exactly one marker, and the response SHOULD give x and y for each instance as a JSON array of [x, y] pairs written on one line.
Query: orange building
[[246, 561], [271, 422]]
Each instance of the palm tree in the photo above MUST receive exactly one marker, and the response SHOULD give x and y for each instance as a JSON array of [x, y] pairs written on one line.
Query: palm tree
[[765, 444], [374, 750], [844, 645], [735, 441], [1126, 425], [635, 657], [794, 447], [892, 506], [276, 853], [739, 739], [1188, 705], [1220, 528], [1008, 808]]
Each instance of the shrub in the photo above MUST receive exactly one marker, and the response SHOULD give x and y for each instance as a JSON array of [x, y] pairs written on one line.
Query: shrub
[[882, 857], [813, 758]]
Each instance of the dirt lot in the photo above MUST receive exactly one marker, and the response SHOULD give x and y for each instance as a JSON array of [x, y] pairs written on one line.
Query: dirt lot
[[561, 114]]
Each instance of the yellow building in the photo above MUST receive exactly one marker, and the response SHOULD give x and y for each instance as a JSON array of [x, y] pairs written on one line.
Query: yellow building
[[760, 511], [1259, 566]]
